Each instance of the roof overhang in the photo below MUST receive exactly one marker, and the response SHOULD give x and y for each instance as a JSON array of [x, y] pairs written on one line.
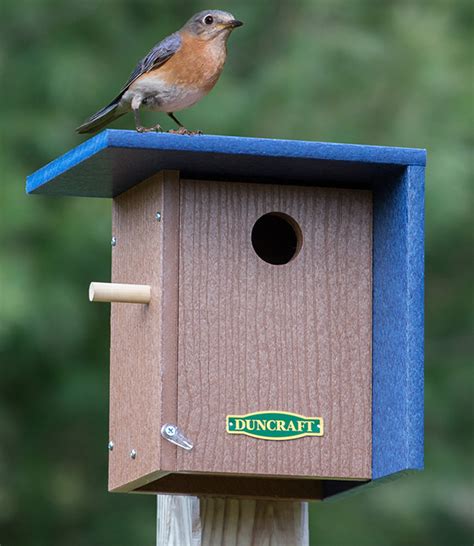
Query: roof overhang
[[115, 161]]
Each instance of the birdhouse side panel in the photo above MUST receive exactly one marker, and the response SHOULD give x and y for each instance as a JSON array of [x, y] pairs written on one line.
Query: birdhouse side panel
[[287, 338], [143, 337]]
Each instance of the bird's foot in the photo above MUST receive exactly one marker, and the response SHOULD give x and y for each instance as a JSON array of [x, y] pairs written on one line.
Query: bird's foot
[[155, 128], [184, 131]]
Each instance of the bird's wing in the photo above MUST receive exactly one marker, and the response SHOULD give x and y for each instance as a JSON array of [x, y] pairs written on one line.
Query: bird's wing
[[159, 54]]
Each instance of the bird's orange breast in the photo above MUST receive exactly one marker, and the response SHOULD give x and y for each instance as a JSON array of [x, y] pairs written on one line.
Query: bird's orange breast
[[197, 63]]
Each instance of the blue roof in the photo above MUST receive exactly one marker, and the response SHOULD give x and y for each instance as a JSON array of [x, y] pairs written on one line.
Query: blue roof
[[114, 161]]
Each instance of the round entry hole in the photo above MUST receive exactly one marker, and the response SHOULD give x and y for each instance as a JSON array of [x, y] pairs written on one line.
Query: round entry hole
[[276, 238]]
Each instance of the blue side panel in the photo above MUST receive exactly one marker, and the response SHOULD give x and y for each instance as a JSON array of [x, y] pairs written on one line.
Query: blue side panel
[[415, 181], [397, 434]]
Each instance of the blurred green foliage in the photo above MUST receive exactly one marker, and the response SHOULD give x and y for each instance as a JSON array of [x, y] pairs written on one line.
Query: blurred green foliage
[[390, 72]]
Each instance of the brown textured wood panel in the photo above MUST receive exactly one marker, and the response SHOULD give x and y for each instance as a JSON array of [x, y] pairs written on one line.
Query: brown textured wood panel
[[294, 337], [143, 337], [168, 355]]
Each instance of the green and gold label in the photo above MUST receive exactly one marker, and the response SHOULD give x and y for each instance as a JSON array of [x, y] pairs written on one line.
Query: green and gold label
[[274, 425]]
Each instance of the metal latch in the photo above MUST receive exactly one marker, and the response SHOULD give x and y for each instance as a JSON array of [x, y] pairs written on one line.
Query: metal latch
[[175, 435]]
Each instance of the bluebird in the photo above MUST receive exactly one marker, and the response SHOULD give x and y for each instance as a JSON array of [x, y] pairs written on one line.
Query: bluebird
[[175, 74]]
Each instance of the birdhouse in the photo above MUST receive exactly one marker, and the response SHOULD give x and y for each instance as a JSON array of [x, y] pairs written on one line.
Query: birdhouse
[[266, 311]]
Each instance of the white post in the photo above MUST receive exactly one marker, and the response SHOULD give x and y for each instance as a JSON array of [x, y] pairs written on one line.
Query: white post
[[193, 521]]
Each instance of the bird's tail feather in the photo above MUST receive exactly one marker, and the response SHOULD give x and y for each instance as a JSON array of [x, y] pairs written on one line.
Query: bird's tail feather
[[100, 119]]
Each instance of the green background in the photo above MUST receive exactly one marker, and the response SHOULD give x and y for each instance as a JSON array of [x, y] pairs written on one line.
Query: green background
[[390, 72]]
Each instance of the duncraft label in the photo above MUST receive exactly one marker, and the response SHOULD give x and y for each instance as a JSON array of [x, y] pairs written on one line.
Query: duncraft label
[[274, 425]]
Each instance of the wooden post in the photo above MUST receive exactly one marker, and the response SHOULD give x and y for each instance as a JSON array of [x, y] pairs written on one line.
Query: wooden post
[[194, 521]]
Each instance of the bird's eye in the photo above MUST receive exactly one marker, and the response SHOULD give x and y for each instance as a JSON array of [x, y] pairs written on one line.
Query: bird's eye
[[209, 19]]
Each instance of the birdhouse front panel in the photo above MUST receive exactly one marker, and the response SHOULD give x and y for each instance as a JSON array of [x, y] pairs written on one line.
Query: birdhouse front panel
[[275, 299]]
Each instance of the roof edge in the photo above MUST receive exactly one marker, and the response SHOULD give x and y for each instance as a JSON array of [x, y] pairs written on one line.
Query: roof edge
[[216, 145], [268, 147], [68, 160]]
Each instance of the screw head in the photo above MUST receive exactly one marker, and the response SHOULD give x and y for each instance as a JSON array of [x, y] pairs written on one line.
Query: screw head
[[158, 216], [113, 242], [170, 430], [110, 446], [133, 454]]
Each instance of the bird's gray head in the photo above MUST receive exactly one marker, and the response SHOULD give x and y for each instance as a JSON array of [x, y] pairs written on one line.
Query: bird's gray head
[[209, 24]]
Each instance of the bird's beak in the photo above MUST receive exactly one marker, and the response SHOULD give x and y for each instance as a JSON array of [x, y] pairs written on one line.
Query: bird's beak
[[234, 24]]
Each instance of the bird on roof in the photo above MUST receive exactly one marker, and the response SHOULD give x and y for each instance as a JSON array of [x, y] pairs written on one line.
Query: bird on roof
[[177, 72]]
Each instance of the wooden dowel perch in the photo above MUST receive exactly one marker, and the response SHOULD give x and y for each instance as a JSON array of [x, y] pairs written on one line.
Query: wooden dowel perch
[[124, 293]]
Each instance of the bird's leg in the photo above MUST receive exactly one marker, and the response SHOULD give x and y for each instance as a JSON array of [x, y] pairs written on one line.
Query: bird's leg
[[138, 126], [182, 129], [176, 120]]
